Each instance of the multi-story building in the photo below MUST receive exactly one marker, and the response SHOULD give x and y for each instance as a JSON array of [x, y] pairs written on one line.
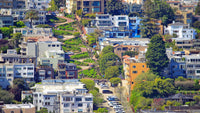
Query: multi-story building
[[62, 95], [44, 72], [32, 32], [18, 108], [133, 67], [67, 71], [181, 30], [25, 94], [90, 6], [70, 4], [1, 36], [6, 3], [103, 42], [11, 71], [37, 4], [6, 21], [12, 57], [119, 50], [20, 14], [184, 43], [19, 4]]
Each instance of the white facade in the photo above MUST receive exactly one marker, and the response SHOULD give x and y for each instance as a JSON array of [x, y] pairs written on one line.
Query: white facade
[[62, 96], [69, 6], [121, 20], [9, 72], [181, 30], [30, 32], [37, 4]]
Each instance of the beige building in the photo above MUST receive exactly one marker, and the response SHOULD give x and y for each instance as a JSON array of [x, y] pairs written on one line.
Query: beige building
[[18, 108]]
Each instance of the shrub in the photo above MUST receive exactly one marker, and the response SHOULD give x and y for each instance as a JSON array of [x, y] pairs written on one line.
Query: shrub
[[89, 60], [115, 81], [81, 55]]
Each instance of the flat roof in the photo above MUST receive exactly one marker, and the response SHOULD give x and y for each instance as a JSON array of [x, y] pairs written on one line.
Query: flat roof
[[18, 106]]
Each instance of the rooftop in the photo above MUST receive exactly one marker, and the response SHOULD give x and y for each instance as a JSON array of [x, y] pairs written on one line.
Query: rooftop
[[18, 106]]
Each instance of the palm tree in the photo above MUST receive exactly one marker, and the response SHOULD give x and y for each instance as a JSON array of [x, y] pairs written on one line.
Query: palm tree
[[32, 15]]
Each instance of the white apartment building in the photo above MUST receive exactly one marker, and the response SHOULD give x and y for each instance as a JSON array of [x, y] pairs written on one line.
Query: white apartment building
[[37, 4], [31, 32], [181, 30], [20, 14], [106, 21], [62, 96], [11, 71]]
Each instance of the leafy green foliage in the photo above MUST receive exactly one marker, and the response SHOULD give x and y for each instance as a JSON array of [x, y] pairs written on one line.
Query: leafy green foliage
[[159, 10], [115, 7], [73, 45], [107, 49], [130, 53], [6, 96], [148, 76], [67, 26], [79, 12], [16, 37], [28, 99], [89, 60], [91, 73], [97, 97], [32, 15], [148, 28], [111, 71], [69, 16], [20, 24], [92, 38], [197, 9], [6, 31], [93, 16], [102, 110], [53, 7], [43, 110], [89, 84], [156, 56], [78, 63], [85, 22], [61, 32], [55, 19], [81, 55], [43, 26], [115, 80], [76, 34]]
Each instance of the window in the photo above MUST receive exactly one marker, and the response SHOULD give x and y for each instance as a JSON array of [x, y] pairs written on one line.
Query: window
[[134, 66], [49, 45], [134, 71], [122, 23], [66, 105], [86, 10], [47, 98], [47, 103], [49, 72], [24, 73], [9, 69], [121, 18], [12, 112], [80, 104], [96, 10], [120, 34], [80, 110], [24, 68], [30, 68], [57, 45], [142, 65], [96, 3], [198, 71], [29, 73], [78, 99], [17, 68], [53, 45], [88, 99], [86, 3], [67, 99]]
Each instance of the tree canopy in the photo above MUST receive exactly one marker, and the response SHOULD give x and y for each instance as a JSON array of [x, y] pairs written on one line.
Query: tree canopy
[[159, 9], [112, 71], [156, 56], [115, 7], [6, 96], [115, 80], [197, 9], [32, 15], [88, 83]]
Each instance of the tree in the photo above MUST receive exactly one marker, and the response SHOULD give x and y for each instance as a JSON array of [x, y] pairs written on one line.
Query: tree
[[159, 9], [32, 15], [107, 49], [106, 60], [43, 110], [6, 97], [85, 22], [156, 56], [115, 81], [148, 76], [112, 71], [197, 99], [115, 7], [6, 31], [20, 24], [16, 37], [148, 28], [53, 7], [89, 84], [79, 12], [97, 97], [197, 9], [196, 24], [102, 110], [130, 53], [28, 99], [76, 34]]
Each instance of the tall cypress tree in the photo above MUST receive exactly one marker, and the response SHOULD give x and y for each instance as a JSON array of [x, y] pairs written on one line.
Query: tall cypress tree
[[156, 56], [197, 10]]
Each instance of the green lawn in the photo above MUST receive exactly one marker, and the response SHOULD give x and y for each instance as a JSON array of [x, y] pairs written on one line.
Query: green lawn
[[55, 19]]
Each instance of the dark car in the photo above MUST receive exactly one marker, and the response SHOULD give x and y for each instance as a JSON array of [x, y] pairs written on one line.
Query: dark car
[[107, 92]]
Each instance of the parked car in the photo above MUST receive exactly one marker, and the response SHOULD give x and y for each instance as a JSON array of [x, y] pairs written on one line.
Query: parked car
[[112, 98], [107, 92]]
